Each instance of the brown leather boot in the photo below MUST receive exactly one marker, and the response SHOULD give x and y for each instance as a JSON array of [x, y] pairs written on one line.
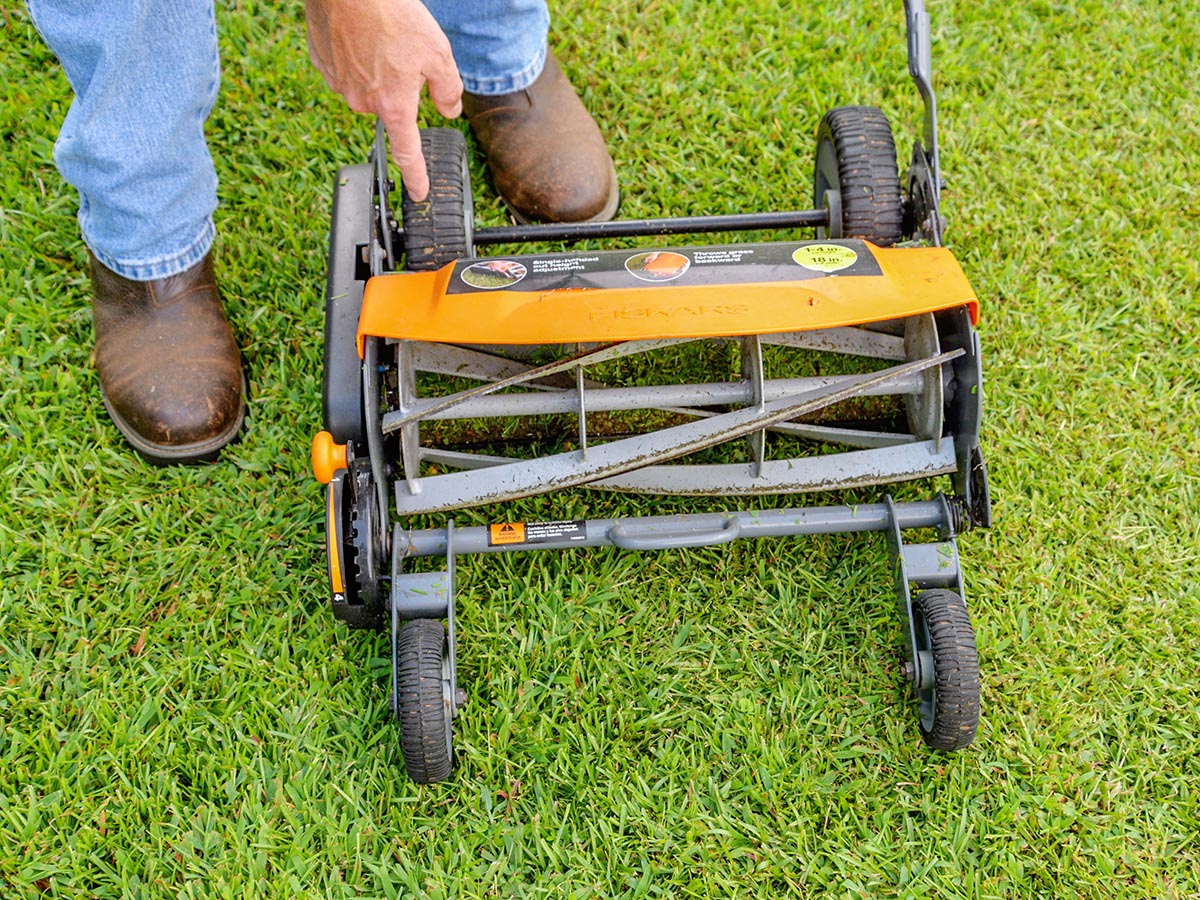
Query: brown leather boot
[[169, 368], [546, 154]]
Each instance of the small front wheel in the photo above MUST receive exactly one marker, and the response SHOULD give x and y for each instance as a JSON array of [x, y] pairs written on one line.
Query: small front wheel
[[424, 700], [949, 709]]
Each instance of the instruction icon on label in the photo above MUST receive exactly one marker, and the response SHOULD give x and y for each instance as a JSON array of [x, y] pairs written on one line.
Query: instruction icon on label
[[493, 273], [658, 265]]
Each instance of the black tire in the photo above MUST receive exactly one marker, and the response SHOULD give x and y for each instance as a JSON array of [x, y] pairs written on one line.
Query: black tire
[[950, 709], [423, 701], [856, 156], [440, 229]]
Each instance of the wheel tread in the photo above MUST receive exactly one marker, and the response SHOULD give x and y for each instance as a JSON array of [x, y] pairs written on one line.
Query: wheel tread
[[868, 177], [435, 231], [420, 704], [956, 670]]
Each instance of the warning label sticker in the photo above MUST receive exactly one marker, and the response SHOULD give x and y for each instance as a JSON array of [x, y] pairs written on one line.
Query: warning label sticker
[[536, 532], [508, 533]]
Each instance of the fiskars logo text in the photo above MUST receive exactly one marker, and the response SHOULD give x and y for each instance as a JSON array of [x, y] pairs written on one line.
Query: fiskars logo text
[[669, 312]]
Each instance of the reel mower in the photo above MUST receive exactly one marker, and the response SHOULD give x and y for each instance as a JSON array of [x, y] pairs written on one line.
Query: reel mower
[[849, 361]]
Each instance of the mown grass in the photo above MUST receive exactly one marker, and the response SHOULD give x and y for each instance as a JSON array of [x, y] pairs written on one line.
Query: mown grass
[[180, 716]]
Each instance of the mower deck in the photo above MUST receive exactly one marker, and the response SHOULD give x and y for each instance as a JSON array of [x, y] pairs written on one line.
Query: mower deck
[[695, 292]]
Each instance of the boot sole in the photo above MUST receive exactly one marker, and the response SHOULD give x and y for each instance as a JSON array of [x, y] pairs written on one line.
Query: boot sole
[[184, 454]]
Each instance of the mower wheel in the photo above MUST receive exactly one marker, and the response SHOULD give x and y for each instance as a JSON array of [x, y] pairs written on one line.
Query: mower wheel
[[949, 709], [440, 229], [424, 701], [856, 158]]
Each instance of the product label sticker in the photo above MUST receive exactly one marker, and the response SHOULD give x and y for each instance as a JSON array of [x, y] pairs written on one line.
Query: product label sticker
[[507, 533], [732, 264], [827, 258]]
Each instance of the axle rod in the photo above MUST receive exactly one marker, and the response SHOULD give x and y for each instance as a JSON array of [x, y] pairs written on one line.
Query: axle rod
[[576, 231]]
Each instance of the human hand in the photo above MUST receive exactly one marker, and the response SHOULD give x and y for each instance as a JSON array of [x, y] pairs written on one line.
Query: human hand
[[378, 54]]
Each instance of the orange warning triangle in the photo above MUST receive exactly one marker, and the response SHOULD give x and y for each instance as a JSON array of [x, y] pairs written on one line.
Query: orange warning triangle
[[508, 533]]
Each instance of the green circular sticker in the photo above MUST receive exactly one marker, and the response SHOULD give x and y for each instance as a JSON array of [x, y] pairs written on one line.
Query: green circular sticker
[[825, 257]]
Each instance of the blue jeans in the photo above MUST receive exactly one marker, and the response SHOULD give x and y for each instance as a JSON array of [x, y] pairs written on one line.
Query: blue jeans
[[145, 75]]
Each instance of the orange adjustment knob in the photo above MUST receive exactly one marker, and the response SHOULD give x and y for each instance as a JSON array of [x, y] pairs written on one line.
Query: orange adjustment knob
[[327, 457]]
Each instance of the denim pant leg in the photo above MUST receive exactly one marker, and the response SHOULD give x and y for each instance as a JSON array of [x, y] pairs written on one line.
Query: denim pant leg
[[145, 75], [499, 45]]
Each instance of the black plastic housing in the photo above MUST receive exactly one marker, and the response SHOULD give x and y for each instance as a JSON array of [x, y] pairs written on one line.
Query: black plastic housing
[[341, 388]]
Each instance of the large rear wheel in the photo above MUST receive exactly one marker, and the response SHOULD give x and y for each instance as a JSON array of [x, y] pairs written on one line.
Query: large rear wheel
[[856, 176], [441, 228]]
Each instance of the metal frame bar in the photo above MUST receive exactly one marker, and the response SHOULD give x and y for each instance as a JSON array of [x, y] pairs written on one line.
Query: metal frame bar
[[662, 532], [927, 565], [752, 377], [578, 231], [920, 67]]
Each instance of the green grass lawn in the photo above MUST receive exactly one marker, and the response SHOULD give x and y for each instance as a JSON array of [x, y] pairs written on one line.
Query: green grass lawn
[[181, 716]]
